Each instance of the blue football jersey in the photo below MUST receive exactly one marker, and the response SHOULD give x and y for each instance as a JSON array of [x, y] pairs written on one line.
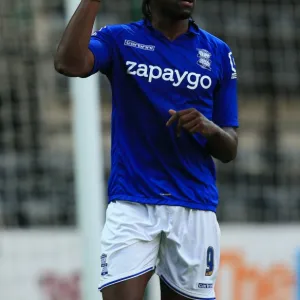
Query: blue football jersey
[[150, 75]]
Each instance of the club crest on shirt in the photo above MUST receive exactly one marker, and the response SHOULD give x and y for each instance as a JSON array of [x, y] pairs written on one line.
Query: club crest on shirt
[[204, 60]]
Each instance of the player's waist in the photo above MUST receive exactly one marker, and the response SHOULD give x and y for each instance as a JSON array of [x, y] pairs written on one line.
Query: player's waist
[[169, 201]]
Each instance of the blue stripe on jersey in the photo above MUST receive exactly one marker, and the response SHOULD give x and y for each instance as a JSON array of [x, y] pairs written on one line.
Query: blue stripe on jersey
[[150, 75]]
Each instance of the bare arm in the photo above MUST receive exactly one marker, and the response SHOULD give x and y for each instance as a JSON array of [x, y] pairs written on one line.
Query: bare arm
[[223, 143], [73, 58]]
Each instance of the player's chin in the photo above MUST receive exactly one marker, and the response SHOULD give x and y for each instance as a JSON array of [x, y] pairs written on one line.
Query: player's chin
[[186, 8], [184, 13]]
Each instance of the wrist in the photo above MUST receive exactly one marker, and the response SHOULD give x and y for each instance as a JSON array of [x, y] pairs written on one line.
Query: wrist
[[213, 131]]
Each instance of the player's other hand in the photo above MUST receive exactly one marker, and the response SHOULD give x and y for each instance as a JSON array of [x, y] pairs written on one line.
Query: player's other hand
[[192, 121]]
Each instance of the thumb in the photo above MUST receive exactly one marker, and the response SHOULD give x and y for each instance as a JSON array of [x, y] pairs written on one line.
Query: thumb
[[172, 112]]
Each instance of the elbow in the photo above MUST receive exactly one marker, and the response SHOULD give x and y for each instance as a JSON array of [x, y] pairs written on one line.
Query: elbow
[[68, 67], [60, 66], [230, 153], [229, 157]]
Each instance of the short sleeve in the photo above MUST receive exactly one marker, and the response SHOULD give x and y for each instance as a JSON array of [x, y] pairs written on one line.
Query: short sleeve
[[225, 111], [101, 45]]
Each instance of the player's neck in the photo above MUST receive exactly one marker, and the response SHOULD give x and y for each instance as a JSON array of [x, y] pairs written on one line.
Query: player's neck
[[171, 29]]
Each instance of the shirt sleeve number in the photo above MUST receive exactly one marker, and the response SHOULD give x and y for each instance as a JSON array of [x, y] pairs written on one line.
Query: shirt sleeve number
[[232, 62]]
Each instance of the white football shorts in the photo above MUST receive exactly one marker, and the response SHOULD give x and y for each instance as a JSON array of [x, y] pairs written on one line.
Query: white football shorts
[[182, 245]]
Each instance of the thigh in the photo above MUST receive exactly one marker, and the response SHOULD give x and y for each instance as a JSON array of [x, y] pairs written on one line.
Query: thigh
[[167, 293], [129, 246], [190, 254], [132, 289]]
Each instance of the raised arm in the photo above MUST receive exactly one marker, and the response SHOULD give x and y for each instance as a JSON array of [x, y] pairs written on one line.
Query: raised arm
[[73, 57]]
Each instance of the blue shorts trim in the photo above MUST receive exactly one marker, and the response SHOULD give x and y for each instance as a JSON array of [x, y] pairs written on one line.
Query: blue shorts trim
[[125, 278], [181, 293]]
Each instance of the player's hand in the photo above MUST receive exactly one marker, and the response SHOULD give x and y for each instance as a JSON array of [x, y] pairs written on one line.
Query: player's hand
[[192, 121]]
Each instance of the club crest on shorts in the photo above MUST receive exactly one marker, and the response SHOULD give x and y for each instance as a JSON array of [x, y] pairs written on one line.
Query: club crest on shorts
[[204, 60], [104, 265]]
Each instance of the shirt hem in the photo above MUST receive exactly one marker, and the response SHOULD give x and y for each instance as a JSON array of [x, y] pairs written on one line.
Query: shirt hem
[[169, 202], [93, 50]]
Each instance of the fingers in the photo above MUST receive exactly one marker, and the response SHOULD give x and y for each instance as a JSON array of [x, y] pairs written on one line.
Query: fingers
[[190, 125], [184, 115], [173, 118], [178, 129], [189, 119]]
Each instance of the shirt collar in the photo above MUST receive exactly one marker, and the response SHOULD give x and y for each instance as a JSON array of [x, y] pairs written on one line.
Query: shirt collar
[[193, 27]]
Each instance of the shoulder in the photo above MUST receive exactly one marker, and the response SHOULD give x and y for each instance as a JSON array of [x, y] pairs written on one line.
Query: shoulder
[[216, 43], [222, 52], [119, 29]]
